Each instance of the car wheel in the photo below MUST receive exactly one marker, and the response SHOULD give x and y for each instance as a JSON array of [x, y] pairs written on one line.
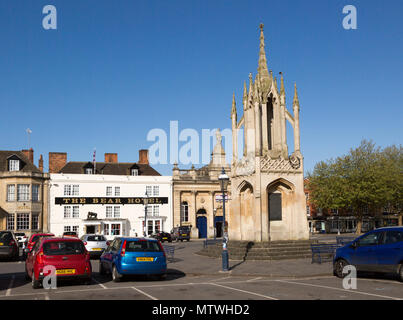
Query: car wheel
[[188, 240], [401, 273], [87, 281], [116, 276], [162, 277], [35, 283], [338, 268]]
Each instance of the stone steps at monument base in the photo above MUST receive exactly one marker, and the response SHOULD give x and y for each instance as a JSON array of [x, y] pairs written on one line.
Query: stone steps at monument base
[[277, 244], [283, 256], [261, 251]]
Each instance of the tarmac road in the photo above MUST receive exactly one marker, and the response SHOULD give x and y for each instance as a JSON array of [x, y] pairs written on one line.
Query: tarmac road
[[184, 284]]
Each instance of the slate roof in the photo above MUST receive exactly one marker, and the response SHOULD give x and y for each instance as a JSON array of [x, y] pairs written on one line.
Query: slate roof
[[109, 168], [25, 164]]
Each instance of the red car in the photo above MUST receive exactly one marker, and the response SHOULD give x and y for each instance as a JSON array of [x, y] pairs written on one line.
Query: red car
[[34, 238], [68, 255]]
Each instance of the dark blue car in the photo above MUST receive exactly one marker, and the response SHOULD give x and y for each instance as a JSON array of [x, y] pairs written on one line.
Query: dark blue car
[[380, 250], [133, 256]]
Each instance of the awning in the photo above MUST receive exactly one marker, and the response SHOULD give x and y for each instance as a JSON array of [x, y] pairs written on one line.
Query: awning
[[92, 222]]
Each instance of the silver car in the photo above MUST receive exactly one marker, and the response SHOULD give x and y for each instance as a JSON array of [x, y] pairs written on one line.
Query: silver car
[[95, 244]]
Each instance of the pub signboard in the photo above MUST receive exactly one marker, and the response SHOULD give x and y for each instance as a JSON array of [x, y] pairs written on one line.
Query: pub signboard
[[110, 200]]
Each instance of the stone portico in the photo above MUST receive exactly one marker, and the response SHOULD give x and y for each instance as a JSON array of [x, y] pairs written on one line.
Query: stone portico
[[197, 195]]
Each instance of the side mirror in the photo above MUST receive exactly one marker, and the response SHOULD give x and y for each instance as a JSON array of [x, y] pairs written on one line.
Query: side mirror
[[354, 245]]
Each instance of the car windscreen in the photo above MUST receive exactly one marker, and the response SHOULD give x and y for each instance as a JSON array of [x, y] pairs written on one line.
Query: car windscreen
[[184, 229], [96, 238], [55, 248], [36, 238], [5, 236], [71, 233], [19, 234], [142, 246]]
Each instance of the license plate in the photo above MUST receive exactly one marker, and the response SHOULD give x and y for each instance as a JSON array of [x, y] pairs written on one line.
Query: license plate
[[165, 238], [184, 235], [141, 259], [1, 244], [96, 249], [66, 271]]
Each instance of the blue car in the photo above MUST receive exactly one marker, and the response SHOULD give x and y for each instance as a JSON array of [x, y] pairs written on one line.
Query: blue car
[[380, 250], [133, 256]]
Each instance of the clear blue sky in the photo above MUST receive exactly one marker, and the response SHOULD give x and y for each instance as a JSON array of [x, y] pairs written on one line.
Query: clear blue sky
[[113, 70]]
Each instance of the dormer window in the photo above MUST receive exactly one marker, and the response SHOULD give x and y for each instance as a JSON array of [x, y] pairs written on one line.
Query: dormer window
[[135, 172], [14, 165], [88, 171]]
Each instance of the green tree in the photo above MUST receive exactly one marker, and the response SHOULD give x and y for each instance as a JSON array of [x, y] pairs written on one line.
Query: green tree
[[366, 180]]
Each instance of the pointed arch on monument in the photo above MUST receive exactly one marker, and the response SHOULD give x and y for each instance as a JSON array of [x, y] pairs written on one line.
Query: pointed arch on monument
[[243, 186], [281, 182]]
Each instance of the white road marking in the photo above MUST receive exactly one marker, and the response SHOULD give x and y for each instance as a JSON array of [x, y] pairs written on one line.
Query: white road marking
[[146, 294], [8, 292], [224, 278], [244, 291], [102, 286], [339, 289], [254, 279], [47, 296]]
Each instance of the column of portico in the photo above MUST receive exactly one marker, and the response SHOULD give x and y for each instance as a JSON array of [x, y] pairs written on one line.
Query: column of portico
[[192, 218], [210, 216], [177, 208]]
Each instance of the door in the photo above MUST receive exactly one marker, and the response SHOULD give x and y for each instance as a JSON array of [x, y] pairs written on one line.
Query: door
[[218, 226], [201, 224], [90, 230], [390, 252], [364, 255]]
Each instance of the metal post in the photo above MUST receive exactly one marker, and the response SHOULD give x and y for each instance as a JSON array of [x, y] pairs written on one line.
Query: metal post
[[223, 178], [214, 215]]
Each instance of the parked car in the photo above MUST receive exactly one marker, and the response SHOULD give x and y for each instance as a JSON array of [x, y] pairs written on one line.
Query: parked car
[[380, 250], [162, 236], [70, 234], [67, 255], [180, 233], [133, 256], [33, 239], [9, 245], [95, 244], [21, 238]]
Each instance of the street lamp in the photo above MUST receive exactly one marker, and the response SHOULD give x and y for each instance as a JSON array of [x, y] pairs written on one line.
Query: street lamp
[[214, 215], [145, 202], [224, 180]]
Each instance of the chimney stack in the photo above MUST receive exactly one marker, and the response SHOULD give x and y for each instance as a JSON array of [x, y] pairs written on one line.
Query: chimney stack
[[40, 163], [111, 157], [57, 160], [29, 154], [143, 156]]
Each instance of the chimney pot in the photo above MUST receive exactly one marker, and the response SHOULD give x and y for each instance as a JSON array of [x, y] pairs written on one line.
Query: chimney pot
[[111, 157], [143, 156], [29, 154], [57, 160]]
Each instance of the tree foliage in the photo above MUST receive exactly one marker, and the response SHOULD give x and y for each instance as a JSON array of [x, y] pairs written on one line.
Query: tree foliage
[[367, 179]]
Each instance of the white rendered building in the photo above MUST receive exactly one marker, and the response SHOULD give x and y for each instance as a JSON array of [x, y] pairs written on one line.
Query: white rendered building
[[110, 202]]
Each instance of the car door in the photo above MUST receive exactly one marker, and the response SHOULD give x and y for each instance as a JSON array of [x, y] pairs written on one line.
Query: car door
[[107, 256], [390, 251], [116, 250], [29, 262], [364, 254]]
